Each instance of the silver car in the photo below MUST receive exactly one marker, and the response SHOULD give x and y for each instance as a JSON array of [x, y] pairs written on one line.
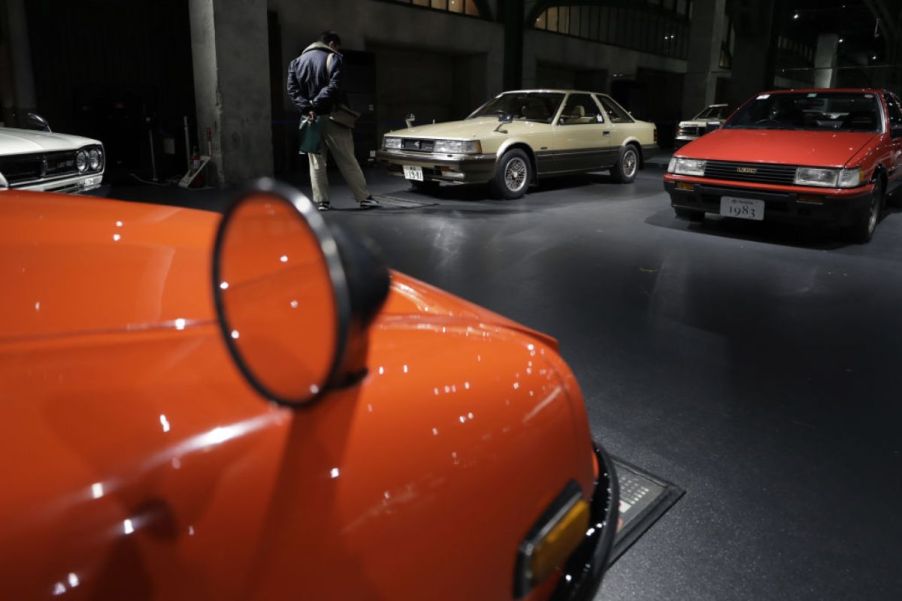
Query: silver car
[[711, 118]]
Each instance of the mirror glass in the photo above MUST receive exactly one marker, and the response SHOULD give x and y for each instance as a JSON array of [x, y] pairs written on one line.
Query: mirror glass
[[276, 295]]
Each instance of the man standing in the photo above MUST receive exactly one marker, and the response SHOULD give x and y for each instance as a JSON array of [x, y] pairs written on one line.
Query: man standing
[[314, 80]]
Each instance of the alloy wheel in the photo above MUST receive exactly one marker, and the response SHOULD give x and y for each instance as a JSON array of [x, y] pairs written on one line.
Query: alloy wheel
[[515, 174], [629, 163]]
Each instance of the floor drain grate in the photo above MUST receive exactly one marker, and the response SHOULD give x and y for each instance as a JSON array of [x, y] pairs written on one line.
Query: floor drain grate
[[389, 201], [643, 500]]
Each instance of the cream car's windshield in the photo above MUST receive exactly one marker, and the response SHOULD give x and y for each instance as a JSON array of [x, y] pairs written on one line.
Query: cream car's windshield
[[523, 106]]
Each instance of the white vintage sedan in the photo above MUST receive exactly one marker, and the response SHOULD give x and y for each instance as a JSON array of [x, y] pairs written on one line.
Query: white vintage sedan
[[42, 160], [520, 136]]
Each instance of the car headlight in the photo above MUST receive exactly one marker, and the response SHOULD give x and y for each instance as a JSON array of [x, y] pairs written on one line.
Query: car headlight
[[809, 176], [458, 146], [392, 143], [850, 178], [95, 159], [81, 161], [686, 166]]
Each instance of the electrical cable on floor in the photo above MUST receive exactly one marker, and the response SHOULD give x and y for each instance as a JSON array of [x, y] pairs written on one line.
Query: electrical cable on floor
[[168, 183]]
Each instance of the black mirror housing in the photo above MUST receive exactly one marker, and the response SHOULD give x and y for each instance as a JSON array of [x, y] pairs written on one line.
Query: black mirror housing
[[37, 121]]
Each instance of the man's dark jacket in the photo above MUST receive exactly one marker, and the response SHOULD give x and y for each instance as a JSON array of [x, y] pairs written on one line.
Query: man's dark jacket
[[313, 82]]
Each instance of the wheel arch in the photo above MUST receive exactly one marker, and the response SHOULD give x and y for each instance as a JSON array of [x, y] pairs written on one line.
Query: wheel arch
[[880, 172], [519, 145], [634, 141]]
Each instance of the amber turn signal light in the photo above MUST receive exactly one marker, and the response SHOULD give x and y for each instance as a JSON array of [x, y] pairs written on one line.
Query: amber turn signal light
[[685, 187], [552, 540]]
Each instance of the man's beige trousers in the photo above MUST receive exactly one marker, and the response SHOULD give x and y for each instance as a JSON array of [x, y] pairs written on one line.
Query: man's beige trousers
[[337, 141]]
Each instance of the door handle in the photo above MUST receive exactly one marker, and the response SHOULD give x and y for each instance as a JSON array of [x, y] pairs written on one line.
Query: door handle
[[606, 132]]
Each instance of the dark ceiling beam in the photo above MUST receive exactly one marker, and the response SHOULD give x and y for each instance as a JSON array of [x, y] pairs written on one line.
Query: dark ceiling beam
[[541, 6]]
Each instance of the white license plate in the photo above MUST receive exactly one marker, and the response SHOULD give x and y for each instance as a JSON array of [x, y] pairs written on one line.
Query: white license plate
[[413, 173], [742, 208]]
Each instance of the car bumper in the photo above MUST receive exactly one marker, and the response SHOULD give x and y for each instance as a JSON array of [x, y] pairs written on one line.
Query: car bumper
[[680, 141], [787, 203], [72, 185], [583, 573], [464, 169]]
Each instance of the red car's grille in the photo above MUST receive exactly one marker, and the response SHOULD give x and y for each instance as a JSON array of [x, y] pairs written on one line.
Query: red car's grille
[[751, 172]]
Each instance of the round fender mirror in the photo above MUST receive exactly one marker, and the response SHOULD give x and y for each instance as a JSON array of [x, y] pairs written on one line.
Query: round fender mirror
[[281, 293]]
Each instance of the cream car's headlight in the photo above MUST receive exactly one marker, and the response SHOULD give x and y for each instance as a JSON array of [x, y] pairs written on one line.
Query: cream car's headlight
[[686, 166], [392, 143], [458, 146]]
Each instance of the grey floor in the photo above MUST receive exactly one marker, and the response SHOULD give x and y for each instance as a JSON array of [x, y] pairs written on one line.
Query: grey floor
[[756, 366]]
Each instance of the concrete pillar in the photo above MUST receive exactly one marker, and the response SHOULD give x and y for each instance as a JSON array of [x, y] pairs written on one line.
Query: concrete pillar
[[706, 34], [230, 51], [19, 55], [754, 48], [825, 60], [514, 16]]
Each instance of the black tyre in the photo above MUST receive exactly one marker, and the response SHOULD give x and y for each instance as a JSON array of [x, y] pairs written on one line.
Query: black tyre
[[427, 187], [512, 175], [863, 229], [627, 165], [689, 214]]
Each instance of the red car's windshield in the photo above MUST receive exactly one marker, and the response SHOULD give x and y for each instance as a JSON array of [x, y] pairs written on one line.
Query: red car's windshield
[[827, 111]]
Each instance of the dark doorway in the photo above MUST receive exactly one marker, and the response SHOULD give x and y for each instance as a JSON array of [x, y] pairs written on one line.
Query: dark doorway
[[643, 98], [434, 86], [119, 72]]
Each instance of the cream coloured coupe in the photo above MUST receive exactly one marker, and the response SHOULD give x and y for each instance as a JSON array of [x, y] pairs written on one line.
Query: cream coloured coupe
[[519, 136]]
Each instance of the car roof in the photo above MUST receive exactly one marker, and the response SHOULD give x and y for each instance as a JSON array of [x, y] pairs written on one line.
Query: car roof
[[826, 91], [553, 90]]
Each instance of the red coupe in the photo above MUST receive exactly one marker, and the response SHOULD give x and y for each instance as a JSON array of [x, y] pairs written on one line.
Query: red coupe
[[821, 155]]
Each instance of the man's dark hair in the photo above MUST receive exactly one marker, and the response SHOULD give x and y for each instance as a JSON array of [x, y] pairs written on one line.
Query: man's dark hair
[[329, 37]]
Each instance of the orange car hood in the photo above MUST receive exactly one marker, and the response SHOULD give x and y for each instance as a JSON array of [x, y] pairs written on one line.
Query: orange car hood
[[78, 265], [72, 265]]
